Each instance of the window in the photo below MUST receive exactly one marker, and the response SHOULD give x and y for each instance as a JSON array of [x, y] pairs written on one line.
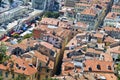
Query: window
[[47, 70], [90, 69], [76, 29], [109, 67], [13, 75], [98, 67], [52, 53], [6, 74]]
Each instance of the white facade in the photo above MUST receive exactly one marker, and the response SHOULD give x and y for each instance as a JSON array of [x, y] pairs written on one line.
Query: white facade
[[112, 22]]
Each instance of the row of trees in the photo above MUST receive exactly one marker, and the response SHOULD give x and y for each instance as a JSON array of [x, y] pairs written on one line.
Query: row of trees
[[50, 14], [24, 37]]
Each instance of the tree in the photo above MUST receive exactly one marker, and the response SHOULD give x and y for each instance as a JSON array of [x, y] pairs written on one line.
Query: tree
[[118, 70], [118, 57], [3, 56], [21, 77], [27, 36], [1, 78], [16, 35], [51, 14], [17, 51], [118, 67]]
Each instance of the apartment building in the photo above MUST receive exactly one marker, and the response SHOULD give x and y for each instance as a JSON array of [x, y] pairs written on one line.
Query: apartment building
[[116, 8], [89, 16], [43, 4], [112, 19]]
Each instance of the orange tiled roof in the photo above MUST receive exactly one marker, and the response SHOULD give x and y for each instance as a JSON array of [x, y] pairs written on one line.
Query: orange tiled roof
[[112, 15], [115, 7], [98, 35], [82, 4], [81, 24], [49, 46], [103, 65], [109, 76], [89, 11], [107, 57], [107, 28], [49, 21], [109, 39], [94, 51], [41, 57], [22, 64], [51, 64], [24, 44]]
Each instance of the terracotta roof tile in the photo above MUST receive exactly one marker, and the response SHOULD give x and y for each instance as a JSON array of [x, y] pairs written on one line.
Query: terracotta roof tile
[[22, 64], [104, 65]]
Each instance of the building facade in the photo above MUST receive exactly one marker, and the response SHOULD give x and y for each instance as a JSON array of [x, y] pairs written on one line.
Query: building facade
[[43, 4]]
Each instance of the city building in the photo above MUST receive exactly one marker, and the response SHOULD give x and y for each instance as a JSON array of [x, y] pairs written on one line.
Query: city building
[[43, 4], [16, 67], [39, 4], [112, 32], [79, 7], [116, 8], [89, 16], [69, 3], [112, 19], [43, 63]]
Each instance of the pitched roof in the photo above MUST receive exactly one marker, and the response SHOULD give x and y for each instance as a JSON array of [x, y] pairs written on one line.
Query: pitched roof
[[89, 11], [107, 28], [41, 57], [105, 66], [98, 35], [24, 44], [49, 21], [19, 66], [49, 46], [91, 50], [109, 39]]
